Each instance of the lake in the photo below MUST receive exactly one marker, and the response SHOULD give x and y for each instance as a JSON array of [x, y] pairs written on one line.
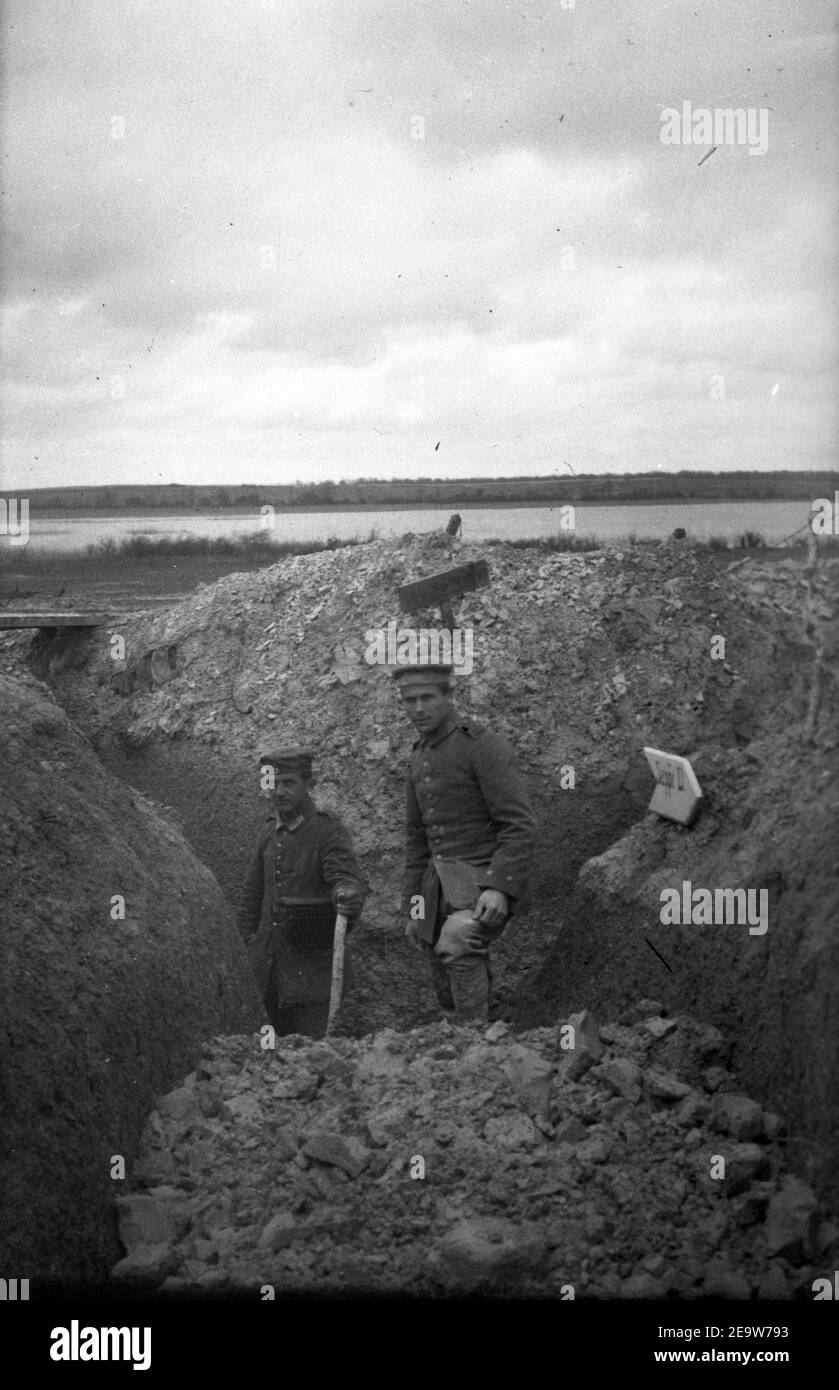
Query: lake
[[68, 532]]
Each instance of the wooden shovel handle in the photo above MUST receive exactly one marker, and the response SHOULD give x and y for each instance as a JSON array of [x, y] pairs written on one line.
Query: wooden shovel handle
[[337, 970]]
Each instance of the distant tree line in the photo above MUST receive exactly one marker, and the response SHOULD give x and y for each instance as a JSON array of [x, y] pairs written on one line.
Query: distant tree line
[[444, 492]]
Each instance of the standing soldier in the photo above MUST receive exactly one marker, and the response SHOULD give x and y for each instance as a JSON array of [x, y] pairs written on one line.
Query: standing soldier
[[303, 872], [470, 840]]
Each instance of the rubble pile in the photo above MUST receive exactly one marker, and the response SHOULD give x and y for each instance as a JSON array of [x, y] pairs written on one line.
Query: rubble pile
[[576, 656], [573, 1161], [769, 825], [579, 660]]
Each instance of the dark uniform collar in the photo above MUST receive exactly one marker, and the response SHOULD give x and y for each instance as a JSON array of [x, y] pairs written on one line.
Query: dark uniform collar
[[449, 724], [307, 810]]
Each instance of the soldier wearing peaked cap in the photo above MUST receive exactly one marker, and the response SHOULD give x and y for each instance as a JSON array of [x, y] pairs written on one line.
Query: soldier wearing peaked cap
[[470, 839], [303, 872]]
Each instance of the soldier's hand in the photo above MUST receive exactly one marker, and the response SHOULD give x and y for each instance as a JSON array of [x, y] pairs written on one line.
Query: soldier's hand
[[348, 899], [491, 909], [413, 935]]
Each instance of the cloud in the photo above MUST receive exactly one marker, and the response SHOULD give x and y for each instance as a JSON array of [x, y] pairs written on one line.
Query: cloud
[[319, 232]]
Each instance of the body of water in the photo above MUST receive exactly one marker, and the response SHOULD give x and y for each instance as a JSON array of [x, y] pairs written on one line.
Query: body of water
[[773, 520]]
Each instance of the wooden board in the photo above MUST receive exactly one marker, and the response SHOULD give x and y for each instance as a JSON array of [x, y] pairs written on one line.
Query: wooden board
[[17, 620], [437, 588]]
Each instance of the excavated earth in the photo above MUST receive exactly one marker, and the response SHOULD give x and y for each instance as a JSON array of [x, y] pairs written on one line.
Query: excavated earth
[[568, 1162], [117, 959], [579, 660]]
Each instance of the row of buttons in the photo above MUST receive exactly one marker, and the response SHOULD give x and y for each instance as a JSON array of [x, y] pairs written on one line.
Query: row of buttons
[[437, 831]]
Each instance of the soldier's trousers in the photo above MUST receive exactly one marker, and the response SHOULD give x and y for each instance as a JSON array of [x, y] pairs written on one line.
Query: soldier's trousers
[[461, 977], [308, 1019], [307, 1015]]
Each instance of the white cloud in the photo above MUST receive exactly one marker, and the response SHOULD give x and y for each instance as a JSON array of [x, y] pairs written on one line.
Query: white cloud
[[275, 269]]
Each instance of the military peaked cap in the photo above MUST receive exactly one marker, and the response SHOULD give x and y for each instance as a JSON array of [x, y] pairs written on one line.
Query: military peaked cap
[[425, 673], [289, 760]]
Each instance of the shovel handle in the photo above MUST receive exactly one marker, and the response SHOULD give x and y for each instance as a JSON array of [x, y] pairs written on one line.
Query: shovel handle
[[337, 970]]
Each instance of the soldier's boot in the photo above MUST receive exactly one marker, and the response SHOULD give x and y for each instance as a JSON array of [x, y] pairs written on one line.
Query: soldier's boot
[[471, 986], [440, 981]]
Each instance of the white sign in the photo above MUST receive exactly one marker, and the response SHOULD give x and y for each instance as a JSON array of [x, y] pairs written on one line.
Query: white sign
[[677, 792]]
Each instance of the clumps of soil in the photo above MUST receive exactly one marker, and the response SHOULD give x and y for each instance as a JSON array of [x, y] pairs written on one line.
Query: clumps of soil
[[104, 1002], [443, 1161], [579, 660], [771, 825]]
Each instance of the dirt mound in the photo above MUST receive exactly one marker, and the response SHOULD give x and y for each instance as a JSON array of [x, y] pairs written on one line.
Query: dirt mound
[[771, 824], [571, 1162], [99, 1012], [579, 659]]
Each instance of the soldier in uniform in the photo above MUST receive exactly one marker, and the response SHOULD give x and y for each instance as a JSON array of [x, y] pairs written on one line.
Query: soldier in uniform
[[470, 838], [304, 871]]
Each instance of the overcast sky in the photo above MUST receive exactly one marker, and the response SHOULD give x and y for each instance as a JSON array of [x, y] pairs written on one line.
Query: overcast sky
[[256, 241]]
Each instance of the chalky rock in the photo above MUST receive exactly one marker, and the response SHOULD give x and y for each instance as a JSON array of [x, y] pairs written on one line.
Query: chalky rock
[[487, 1251], [283, 1143], [511, 1131], [693, 1110], [432, 1179], [245, 1108], [282, 1230], [530, 1075], [659, 1027], [773, 1125], [348, 1154], [621, 1075], [574, 1062], [648, 1008], [715, 1077], [148, 1265], [662, 1085], [791, 1221], [737, 1115], [180, 1109], [148, 1220], [570, 1131], [743, 1163]]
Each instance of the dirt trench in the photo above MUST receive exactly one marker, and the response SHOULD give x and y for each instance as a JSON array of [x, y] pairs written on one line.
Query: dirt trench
[[580, 661], [117, 958], [213, 800]]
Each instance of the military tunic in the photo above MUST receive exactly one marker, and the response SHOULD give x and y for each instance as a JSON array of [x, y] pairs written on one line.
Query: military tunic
[[466, 800], [296, 864]]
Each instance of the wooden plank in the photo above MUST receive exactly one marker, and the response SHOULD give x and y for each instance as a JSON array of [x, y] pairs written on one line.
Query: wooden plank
[[18, 620], [425, 593]]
